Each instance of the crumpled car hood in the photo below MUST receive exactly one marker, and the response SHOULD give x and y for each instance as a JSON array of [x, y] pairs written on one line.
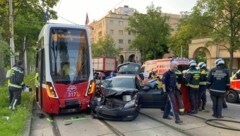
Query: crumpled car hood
[[116, 92]]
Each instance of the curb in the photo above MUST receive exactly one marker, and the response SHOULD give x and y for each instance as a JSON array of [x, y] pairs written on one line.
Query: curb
[[28, 124]]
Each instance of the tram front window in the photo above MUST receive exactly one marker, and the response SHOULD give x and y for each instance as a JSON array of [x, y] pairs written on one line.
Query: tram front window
[[69, 55]]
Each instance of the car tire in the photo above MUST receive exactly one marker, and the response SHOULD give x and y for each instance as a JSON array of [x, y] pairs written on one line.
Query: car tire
[[232, 96]]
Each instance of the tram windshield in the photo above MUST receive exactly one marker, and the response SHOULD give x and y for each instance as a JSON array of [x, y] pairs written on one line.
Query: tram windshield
[[69, 55]]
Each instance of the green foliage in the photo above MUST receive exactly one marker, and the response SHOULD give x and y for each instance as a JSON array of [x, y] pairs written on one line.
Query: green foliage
[[105, 47], [151, 32], [188, 29], [29, 17], [225, 22], [14, 125]]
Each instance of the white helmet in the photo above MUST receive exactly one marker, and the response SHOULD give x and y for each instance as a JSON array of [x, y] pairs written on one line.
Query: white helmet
[[192, 63], [201, 64], [219, 61]]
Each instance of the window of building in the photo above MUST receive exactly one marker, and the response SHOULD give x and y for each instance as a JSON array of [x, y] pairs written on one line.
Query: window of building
[[120, 41], [111, 22], [111, 31], [129, 33], [100, 33], [129, 41], [120, 23], [120, 32]]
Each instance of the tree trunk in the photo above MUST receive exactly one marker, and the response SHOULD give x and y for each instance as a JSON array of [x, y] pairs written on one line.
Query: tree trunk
[[231, 62]]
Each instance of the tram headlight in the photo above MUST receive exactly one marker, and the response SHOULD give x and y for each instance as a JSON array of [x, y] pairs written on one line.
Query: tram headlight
[[92, 87], [50, 91]]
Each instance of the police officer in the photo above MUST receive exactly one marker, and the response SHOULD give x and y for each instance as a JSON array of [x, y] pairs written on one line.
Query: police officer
[[169, 86], [193, 79], [178, 93], [218, 83], [202, 86]]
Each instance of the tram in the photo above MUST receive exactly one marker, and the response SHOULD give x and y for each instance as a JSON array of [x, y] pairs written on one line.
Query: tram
[[65, 69]]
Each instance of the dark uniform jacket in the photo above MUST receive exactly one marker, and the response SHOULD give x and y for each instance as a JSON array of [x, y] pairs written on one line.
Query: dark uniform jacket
[[218, 80], [169, 79], [203, 76], [193, 78]]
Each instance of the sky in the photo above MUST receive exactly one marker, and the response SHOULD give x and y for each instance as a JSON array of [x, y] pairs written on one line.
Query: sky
[[74, 11]]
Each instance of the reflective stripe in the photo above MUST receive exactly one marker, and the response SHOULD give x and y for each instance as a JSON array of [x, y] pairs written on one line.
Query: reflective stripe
[[219, 91], [16, 69], [193, 86], [16, 86], [203, 83], [181, 110]]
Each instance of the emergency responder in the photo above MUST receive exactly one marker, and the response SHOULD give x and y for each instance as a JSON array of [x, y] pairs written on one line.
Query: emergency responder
[[15, 85], [8, 75], [178, 93], [193, 79], [218, 83], [153, 74], [202, 86], [169, 86], [185, 94]]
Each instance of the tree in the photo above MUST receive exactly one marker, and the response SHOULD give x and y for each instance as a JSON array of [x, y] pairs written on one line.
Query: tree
[[105, 47], [188, 29], [151, 32], [29, 17], [225, 24]]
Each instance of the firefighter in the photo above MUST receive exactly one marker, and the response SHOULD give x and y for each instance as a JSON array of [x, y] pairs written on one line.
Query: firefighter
[[15, 85], [185, 94], [202, 86], [193, 79], [169, 86], [218, 83], [178, 93]]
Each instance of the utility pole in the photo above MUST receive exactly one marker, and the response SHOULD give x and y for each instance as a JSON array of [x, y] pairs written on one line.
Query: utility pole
[[12, 57]]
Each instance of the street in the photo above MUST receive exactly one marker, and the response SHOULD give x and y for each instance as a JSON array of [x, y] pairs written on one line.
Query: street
[[148, 123]]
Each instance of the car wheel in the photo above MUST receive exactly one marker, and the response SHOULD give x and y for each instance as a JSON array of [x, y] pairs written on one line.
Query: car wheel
[[232, 96]]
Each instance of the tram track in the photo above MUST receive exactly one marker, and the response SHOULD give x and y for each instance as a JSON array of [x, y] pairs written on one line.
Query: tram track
[[55, 129], [113, 129], [166, 124]]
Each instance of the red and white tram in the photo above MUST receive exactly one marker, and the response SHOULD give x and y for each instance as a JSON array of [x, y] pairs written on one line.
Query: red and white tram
[[64, 64]]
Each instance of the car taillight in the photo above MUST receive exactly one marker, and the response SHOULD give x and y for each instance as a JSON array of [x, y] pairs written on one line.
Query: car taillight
[[50, 91], [92, 87]]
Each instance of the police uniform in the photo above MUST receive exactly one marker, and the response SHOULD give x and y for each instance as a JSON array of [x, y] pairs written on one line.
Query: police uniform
[[218, 83], [202, 87], [169, 80], [193, 79]]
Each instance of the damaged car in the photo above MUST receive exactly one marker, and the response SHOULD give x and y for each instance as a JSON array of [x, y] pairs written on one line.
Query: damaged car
[[116, 99]]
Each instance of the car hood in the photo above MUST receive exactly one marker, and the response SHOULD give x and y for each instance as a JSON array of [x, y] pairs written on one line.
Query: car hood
[[114, 92]]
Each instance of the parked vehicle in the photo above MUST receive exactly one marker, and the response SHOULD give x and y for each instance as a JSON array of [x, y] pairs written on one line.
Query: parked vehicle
[[162, 65], [116, 99], [105, 65], [129, 68], [234, 92]]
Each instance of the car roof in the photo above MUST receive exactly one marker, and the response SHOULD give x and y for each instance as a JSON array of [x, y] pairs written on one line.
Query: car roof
[[124, 76]]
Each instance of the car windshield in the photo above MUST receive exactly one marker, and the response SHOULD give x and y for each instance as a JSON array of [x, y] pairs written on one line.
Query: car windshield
[[129, 69], [120, 83]]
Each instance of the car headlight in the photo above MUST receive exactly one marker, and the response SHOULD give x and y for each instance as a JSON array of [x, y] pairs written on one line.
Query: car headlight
[[130, 104]]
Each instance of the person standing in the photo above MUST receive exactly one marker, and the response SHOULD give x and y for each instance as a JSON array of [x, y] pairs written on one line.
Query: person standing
[[202, 86], [8, 75], [170, 87], [178, 93], [193, 79], [218, 83], [15, 85]]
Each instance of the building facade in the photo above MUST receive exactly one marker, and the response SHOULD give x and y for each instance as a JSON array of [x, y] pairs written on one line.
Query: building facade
[[115, 24]]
